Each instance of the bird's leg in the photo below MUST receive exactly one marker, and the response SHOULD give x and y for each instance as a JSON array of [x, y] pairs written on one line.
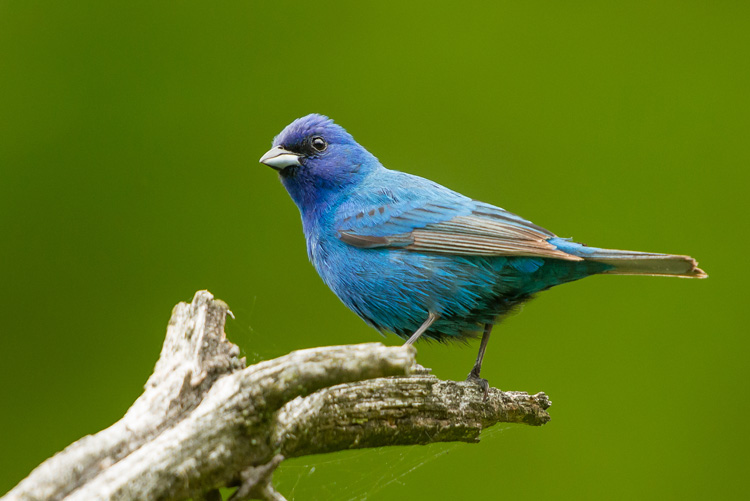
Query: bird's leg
[[431, 317], [474, 374]]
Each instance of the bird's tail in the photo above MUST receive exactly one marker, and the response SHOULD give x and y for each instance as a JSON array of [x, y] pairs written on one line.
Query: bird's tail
[[634, 263]]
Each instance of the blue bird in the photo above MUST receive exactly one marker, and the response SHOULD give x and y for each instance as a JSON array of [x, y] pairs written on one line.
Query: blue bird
[[415, 258]]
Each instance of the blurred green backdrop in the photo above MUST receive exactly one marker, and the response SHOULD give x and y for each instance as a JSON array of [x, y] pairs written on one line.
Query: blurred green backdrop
[[129, 139]]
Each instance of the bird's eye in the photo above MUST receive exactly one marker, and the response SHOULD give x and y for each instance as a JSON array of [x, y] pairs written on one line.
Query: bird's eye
[[319, 143]]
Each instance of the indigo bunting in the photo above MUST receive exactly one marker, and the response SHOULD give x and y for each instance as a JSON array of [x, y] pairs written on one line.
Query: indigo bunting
[[414, 258]]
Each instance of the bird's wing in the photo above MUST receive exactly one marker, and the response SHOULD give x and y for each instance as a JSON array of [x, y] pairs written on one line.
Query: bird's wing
[[468, 228]]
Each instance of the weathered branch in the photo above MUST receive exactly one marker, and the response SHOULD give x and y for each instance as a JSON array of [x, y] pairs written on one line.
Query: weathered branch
[[418, 409], [206, 421]]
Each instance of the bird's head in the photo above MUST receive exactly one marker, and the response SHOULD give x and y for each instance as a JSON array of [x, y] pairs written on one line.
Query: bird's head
[[316, 159]]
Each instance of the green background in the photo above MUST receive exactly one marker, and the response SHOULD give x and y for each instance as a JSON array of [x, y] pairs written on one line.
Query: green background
[[129, 139]]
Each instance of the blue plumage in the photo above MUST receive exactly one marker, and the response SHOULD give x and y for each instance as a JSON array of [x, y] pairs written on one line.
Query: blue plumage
[[413, 257]]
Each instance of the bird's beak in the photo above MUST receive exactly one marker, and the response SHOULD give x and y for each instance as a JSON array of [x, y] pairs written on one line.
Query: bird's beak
[[279, 158]]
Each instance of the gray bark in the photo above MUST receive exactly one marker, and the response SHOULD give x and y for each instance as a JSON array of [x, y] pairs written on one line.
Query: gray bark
[[206, 421]]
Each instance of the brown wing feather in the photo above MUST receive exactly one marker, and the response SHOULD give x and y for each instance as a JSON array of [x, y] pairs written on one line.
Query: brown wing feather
[[467, 236]]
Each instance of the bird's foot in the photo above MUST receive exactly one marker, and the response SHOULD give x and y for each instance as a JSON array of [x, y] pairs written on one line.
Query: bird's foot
[[483, 384]]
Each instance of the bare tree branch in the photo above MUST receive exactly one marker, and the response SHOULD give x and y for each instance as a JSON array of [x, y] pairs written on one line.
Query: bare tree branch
[[206, 421], [418, 409]]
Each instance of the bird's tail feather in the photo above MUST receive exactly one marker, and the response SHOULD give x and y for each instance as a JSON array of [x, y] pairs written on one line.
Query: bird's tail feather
[[646, 263], [633, 262]]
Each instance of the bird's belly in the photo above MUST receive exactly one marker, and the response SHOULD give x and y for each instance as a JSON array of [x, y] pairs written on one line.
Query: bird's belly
[[395, 290]]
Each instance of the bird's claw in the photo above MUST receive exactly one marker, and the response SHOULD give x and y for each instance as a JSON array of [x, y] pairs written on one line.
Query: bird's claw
[[483, 384]]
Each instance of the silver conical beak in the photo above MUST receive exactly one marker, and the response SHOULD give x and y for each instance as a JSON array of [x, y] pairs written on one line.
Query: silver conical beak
[[279, 158]]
